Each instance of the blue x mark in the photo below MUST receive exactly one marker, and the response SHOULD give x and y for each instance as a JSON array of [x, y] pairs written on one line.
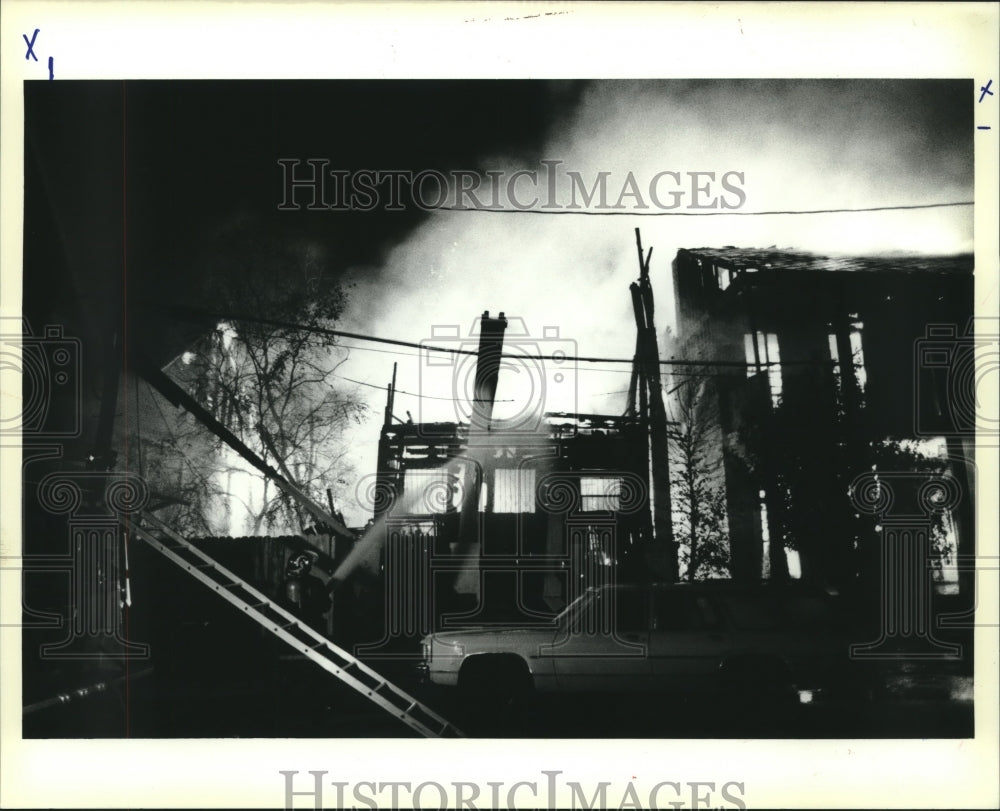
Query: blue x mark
[[986, 91], [31, 45]]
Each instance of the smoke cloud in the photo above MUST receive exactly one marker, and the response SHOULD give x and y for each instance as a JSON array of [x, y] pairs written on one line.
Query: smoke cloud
[[799, 145]]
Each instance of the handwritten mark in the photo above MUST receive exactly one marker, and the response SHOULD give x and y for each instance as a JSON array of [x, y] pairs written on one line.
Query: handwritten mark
[[31, 45], [523, 17], [984, 91], [52, 74]]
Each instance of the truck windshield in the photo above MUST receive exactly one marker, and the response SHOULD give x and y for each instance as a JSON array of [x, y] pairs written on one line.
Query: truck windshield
[[563, 618]]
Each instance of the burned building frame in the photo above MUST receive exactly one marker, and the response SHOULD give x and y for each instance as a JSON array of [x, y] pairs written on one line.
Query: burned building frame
[[835, 372]]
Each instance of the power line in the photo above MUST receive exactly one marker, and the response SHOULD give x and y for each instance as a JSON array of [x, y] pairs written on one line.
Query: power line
[[559, 357], [401, 354], [602, 370], [678, 372], [586, 213], [409, 393], [598, 369]]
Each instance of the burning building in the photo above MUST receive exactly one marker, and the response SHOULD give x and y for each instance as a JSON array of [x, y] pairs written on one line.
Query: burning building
[[500, 520], [828, 395]]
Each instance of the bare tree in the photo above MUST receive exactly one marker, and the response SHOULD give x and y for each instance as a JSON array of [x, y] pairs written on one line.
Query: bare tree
[[271, 376], [181, 463], [267, 371], [697, 480]]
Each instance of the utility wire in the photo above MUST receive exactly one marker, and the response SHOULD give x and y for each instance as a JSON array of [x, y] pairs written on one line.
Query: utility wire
[[586, 213], [410, 393], [674, 372], [200, 313]]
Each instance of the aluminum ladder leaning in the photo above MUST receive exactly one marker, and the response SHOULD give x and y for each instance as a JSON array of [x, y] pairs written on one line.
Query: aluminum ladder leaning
[[293, 631]]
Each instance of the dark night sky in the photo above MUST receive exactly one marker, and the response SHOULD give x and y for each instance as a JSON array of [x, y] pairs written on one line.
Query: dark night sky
[[204, 153], [199, 160]]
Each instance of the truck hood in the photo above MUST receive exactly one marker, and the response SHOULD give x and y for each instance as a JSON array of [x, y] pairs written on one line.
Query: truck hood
[[496, 633], [492, 630]]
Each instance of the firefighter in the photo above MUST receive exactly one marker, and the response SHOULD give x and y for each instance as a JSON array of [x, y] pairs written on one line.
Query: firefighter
[[304, 592]]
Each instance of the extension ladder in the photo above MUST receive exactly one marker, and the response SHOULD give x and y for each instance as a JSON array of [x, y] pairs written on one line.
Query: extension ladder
[[294, 632]]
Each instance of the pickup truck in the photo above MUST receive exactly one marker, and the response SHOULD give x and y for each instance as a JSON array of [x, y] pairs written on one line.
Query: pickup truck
[[757, 643]]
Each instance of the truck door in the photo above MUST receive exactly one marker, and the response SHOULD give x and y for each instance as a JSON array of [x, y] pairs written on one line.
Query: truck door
[[688, 641], [606, 645]]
